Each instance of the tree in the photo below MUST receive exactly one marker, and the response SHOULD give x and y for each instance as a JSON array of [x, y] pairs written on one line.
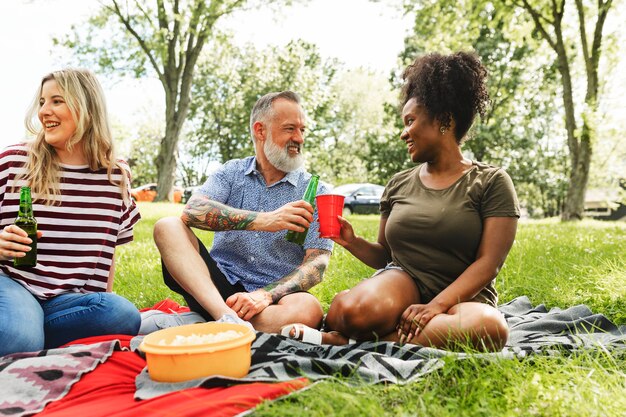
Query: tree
[[164, 39], [343, 106], [145, 150], [355, 117], [232, 78], [518, 130], [548, 18]]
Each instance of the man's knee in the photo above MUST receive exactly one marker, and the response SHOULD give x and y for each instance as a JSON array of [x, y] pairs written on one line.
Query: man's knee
[[309, 310], [169, 231], [165, 226]]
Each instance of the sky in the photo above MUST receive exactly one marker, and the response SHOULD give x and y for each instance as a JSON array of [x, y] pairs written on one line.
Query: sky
[[358, 32]]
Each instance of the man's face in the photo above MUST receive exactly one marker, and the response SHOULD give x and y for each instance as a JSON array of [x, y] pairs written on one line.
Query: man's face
[[285, 136]]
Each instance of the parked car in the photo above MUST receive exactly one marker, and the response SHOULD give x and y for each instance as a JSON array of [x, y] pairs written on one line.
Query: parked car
[[148, 192], [360, 198]]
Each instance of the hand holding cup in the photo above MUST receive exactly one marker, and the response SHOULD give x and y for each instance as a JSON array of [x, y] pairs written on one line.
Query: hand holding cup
[[329, 207]]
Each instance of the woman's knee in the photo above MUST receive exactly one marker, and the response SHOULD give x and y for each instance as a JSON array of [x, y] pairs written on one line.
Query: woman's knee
[[21, 319], [495, 331], [484, 324], [21, 337], [124, 316], [100, 314], [350, 313]]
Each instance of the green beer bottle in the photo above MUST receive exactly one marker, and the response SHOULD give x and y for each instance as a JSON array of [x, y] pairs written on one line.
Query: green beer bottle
[[309, 197], [26, 221]]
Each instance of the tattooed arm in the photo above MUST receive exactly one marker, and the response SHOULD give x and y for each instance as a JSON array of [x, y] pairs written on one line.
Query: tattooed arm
[[308, 274], [304, 277], [203, 213]]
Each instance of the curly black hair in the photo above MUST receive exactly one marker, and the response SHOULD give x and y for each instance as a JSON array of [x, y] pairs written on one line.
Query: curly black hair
[[449, 87]]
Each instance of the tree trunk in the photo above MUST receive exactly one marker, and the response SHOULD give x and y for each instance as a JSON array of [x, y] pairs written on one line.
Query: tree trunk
[[166, 159], [580, 146], [574, 205], [579, 162], [575, 200]]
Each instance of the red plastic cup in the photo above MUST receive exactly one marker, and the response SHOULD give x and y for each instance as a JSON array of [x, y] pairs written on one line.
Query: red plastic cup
[[329, 206]]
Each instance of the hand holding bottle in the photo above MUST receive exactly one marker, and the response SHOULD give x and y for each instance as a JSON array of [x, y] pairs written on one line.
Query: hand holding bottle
[[299, 236], [14, 242], [295, 216], [27, 223]]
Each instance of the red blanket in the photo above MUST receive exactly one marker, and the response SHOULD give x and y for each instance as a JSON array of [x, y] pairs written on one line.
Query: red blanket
[[109, 390]]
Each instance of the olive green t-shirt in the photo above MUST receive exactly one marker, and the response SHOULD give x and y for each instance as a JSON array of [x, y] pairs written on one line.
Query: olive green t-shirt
[[434, 234]]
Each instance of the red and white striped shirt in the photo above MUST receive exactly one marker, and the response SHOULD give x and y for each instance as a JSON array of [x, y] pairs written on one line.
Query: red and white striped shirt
[[80, 234]]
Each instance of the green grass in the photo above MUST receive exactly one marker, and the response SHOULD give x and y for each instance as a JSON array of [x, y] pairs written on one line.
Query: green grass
[[552, 263]]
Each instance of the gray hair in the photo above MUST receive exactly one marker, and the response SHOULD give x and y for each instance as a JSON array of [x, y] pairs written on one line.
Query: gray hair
[[264, 111]]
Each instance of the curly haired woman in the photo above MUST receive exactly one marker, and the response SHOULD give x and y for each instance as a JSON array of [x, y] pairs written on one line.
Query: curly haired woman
[[446, 226]]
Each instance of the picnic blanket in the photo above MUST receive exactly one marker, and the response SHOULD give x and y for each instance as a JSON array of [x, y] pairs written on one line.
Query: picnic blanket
[[109, 389], [533, 330], [30, 380], [62, 379]]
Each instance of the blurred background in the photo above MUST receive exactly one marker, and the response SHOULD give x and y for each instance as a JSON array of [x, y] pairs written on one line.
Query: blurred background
[[345, 59]]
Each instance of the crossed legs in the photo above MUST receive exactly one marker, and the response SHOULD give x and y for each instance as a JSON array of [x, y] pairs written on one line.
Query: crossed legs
[[372, 309], [180, 252]]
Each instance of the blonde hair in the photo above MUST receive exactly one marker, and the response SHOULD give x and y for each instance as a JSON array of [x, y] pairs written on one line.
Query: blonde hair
[[85, 99]]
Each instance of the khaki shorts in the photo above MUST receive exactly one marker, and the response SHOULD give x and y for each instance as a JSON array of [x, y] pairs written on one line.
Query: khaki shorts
[[427, 295]]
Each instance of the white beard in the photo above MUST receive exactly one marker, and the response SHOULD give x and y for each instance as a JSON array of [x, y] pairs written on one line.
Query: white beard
[[280, 158]]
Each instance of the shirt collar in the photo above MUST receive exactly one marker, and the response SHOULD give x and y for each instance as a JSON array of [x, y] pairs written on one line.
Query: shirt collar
[[291, 177]]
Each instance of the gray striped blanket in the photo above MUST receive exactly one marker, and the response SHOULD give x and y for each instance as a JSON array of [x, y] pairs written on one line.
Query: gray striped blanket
[[534, 330]]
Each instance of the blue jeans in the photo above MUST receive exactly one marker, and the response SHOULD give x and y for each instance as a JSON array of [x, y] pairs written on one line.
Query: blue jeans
[[29, 324]]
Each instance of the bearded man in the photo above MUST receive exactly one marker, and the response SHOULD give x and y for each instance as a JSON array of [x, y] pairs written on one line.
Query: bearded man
[[252, 274]]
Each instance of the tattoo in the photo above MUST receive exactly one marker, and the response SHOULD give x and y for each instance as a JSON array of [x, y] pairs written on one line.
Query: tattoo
[[304, 277], [203, 213]]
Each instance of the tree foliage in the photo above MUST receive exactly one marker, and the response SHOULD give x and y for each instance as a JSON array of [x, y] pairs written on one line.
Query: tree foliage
[[163, 38], [340, 106], [518, 131], [551, 23]]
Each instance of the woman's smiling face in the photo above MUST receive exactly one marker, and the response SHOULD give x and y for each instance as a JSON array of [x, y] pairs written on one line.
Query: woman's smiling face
[[421, 133], [55, 116]]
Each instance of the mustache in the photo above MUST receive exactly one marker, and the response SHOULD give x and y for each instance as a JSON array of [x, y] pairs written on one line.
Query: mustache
[[292, 143]]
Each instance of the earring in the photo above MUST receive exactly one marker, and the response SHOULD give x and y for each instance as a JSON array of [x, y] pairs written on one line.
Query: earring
[[442, 130]]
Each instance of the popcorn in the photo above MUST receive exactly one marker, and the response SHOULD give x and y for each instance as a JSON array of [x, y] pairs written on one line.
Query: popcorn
[[200, 339]]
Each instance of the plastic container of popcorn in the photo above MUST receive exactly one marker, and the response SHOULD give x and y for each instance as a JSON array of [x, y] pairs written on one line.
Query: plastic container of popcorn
[[197, 351]]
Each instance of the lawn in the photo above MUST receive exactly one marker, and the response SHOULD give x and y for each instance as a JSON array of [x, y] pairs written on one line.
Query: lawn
[[552, 263]]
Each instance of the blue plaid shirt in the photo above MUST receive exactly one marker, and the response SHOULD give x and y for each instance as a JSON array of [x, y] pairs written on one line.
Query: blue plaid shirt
[[255, 258]]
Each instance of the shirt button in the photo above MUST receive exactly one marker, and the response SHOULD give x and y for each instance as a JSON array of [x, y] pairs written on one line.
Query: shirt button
[[252, 259]]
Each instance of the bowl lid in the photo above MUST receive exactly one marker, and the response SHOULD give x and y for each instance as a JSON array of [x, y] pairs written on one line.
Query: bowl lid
[[151, 342]]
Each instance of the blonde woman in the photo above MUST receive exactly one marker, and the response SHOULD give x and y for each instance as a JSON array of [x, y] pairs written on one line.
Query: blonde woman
[[83, 209]]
